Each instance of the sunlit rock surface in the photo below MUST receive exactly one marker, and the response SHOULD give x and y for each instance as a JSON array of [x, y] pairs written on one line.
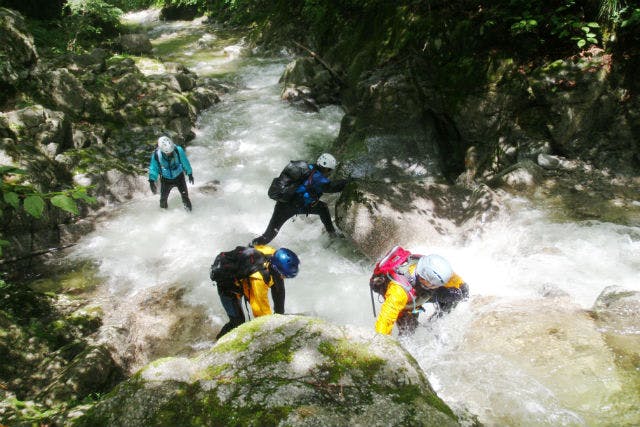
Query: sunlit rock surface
[[548, 363], [377, 215], [616, 311], [280, 370], [16, 48], [153, 324]]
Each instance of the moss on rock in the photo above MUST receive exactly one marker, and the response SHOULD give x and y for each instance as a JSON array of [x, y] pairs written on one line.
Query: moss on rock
[[280, 370]]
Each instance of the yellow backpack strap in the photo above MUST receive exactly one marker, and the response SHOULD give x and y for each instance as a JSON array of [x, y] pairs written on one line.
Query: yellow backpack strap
[[265, 250]]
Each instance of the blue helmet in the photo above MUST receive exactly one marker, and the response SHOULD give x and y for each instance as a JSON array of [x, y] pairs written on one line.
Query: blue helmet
[[285, 262]]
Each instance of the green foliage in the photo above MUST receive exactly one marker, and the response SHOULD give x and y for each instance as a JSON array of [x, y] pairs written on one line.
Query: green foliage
[[628, 17], [524, 26], [49, 35], [130, 5], [609, 9], [97, 9], [34, 205], [183, 2], [588, 36], [17, 196], [88, 20]]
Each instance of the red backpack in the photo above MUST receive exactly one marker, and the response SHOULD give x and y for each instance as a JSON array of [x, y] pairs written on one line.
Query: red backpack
[[386, 269]]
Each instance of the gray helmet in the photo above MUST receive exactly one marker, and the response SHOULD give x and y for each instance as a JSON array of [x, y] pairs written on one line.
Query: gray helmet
[[166, 145], [434, 269], [327, 161]]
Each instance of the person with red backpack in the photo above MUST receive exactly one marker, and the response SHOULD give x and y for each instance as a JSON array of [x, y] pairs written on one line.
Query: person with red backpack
[[407, 281], [304, 196], [249, 273]]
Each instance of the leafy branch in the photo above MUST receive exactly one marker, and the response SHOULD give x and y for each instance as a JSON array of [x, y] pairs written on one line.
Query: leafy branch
[[19, 196]]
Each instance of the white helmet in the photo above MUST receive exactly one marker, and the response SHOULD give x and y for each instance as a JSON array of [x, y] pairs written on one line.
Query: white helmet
[[327, 161], [434, 269], [166, 145]]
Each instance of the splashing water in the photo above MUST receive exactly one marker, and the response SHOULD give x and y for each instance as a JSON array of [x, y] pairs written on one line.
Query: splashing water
[[244, 141]]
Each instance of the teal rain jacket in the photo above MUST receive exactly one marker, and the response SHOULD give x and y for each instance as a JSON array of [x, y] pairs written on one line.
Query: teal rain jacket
[[170, 167]]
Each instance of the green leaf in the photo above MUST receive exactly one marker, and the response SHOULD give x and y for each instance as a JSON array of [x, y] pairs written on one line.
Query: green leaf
[[586, 29], [593, 25], [592, 40], [12, 199], [582, 42], [65, 203], [81, 194], [34, 205]]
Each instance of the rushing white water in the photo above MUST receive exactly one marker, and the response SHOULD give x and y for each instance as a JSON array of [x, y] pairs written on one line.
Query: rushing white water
[[244, 141]]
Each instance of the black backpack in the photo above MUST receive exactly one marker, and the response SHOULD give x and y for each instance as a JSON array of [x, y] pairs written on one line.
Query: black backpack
[[283, 187], [237, 264]]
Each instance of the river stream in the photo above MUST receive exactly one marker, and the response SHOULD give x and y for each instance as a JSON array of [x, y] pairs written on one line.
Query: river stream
[[511, 265]]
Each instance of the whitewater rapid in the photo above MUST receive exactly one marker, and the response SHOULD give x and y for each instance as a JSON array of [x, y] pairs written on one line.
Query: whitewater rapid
[[245, 140]]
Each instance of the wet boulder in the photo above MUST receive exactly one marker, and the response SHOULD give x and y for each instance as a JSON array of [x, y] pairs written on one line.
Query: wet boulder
[[390, 132], [616, 312], [548, 362], [377, 215], [280, 370]]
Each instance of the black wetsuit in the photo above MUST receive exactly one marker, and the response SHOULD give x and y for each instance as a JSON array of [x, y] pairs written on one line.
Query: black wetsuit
[[231, 302], [167, 184], [283, 211]]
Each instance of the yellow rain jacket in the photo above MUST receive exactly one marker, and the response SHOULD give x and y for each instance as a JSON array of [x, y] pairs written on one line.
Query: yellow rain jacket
[[256, 290], [397, 300]]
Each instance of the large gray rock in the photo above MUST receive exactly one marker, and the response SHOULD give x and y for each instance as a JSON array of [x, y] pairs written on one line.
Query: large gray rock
[[47, 130], [280, 370], [549, 364], [154, 323], [92, 370], [616, 312], [135, 44], [378, 215], [65, 91], [17, 51], [308, 84]]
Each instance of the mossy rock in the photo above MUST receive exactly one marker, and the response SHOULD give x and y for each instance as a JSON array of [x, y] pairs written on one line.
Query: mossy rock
[[280, 370]]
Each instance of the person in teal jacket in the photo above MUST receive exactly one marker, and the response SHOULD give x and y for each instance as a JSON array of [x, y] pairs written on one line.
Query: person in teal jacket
[[170, 162]]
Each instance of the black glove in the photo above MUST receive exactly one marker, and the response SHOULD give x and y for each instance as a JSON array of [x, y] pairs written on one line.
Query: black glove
[[191, 179], [152, 185]]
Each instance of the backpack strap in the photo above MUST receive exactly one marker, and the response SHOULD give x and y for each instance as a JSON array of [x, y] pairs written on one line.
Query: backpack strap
[[158, 156]]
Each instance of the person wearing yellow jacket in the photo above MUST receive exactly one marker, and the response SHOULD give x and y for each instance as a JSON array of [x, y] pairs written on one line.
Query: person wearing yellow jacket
[[282, 263], [425, 279]]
